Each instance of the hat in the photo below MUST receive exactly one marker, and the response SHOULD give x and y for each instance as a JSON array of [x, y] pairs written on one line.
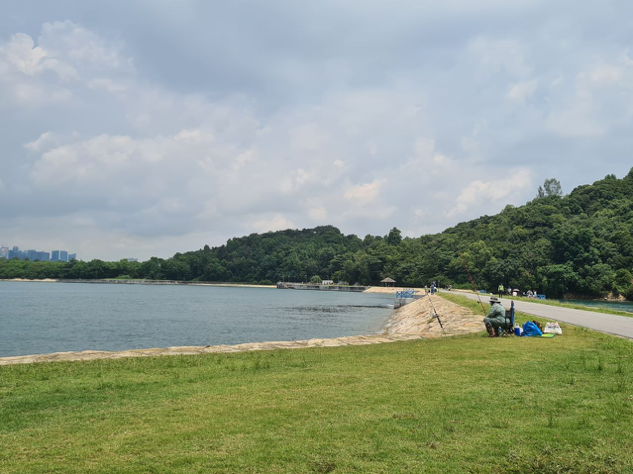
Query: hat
[[494, 299]]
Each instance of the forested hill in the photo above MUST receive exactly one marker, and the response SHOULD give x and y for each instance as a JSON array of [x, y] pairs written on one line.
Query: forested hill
[[579, 244]]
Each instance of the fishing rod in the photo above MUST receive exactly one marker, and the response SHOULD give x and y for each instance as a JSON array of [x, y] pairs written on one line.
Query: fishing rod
[[435, 313], [474, 287]]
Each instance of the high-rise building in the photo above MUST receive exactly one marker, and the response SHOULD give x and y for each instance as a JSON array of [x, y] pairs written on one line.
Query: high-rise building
[[72, 256], [42, 256], [33, 255]]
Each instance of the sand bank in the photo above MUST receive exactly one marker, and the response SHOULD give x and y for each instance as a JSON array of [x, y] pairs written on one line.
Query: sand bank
[[410, 322], [43, 280]]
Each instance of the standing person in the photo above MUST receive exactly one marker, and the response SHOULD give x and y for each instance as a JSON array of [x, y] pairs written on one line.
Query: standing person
[[500, 290], [496, 318], [433, 288]]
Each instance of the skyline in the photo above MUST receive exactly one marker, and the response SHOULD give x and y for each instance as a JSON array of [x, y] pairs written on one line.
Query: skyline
[[156, 128], [14, 251]]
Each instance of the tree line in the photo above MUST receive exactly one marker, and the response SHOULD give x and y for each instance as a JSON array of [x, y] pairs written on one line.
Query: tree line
[[580, 244]]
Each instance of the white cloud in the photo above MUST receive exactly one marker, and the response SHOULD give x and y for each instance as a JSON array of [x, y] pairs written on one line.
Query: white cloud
[[557, 82], [318, 214], [576, 120], [80, 45], [364, 193], [500, 55], [108, 85], [606, 75], [44, 141], [66, 54], [625, 58], [21, 55], [276, 222], [521, 91], [479, 192]]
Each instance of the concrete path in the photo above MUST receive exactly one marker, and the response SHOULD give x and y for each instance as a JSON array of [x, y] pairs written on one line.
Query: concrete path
[[609, 323]]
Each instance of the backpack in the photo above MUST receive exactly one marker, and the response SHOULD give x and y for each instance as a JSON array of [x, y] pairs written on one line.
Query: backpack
[[531, 330]]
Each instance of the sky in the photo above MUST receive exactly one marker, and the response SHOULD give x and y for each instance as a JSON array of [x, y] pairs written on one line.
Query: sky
[[149, 127]]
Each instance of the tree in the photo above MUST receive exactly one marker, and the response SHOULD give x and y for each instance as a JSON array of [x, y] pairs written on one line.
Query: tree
[[316, 279], [552, 187], [394, 237], [622, 280]]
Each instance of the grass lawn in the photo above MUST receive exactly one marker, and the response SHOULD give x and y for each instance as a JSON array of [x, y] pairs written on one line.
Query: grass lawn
[[452, 405]]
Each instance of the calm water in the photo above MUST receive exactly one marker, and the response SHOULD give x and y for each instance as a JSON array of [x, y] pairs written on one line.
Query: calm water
[[614, 305], [38, 318]]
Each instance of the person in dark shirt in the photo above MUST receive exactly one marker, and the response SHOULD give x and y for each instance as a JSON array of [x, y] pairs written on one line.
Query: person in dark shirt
[[496, 317]]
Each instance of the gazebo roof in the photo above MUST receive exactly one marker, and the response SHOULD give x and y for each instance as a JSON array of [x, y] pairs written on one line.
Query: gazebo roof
[[387, 280]]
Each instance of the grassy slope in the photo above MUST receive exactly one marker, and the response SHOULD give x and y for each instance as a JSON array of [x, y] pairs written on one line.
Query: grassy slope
[[463, 404]]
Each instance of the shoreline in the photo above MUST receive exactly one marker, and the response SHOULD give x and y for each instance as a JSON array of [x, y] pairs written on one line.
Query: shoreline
[[135, 282], [407, 323], [371, 289]]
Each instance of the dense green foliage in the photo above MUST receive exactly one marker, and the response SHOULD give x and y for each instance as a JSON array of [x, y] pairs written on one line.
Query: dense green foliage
[[577, 244], [465, 404]]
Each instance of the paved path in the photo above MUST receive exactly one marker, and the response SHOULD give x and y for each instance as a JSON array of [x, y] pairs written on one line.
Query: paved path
[[609, 323]]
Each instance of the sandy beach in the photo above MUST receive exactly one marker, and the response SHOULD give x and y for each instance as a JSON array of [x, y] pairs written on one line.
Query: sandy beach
[[413, 321]]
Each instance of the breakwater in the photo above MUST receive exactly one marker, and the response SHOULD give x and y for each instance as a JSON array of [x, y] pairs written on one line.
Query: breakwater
[[318, 287]]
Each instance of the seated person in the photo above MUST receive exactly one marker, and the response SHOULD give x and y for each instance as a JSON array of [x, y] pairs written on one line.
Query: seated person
[[496, 318]]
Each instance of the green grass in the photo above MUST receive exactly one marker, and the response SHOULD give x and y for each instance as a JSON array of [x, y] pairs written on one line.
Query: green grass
[[559, 304], [450, 405]]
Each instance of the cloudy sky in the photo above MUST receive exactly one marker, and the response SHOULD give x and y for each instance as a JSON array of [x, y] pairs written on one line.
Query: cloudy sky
[[147, 127]]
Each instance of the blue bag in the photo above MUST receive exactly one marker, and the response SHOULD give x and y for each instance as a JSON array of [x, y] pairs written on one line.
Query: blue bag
[[531, 330]]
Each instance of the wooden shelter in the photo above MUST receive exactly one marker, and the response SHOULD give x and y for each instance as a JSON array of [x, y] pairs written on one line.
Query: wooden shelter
[[388, 282]]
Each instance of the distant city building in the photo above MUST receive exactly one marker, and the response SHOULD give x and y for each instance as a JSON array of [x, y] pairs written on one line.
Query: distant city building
[[59, 256], [132, 259], [32, 254], [15, 253]]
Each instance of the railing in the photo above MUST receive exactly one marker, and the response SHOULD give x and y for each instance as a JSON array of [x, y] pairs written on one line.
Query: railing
[[405, 294]]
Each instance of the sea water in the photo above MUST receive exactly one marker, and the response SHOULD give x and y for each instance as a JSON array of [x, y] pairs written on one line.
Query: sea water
[[614, 305], [39, 318]]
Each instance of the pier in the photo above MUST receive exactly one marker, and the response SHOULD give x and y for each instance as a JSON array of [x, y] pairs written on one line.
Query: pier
[[319, 287]]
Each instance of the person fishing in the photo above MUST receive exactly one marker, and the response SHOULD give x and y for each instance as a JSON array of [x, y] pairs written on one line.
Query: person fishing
[[496, 318]]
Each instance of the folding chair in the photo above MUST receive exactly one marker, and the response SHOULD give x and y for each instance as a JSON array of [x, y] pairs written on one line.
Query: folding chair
[[508, 328]]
